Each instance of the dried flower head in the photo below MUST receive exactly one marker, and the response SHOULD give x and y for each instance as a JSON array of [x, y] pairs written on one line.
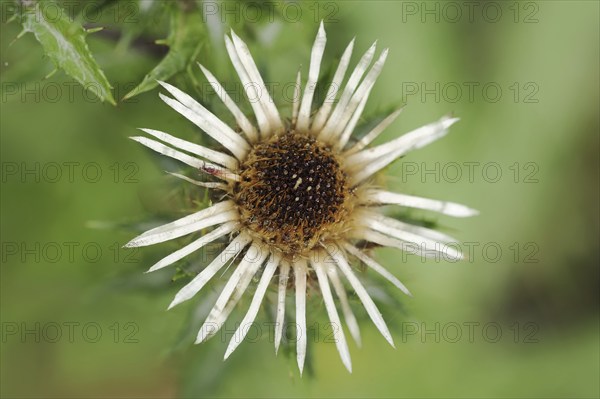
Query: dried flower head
[[298, 196]]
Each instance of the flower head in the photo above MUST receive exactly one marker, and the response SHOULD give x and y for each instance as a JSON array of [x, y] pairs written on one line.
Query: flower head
[[297, 196]]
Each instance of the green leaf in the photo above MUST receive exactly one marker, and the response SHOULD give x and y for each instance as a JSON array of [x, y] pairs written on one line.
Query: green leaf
[[184, 41], [63, 41]]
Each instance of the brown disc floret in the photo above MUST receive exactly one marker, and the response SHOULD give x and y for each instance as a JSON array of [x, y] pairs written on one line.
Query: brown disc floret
[[292, 192]]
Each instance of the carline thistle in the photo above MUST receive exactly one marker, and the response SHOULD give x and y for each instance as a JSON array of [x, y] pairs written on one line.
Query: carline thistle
[[298, 201]]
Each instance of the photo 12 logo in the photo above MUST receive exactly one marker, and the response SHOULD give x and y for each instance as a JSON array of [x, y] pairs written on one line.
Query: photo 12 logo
[[471, 92], [270, 11], [67, 172], [453, 12], [89, 11], [66, 252], [64, 91], [52, 332], [470, 172], [469, 332]]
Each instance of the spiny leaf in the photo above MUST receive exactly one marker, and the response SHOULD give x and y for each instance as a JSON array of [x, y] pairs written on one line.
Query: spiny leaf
[[63, 41], [184, 41]]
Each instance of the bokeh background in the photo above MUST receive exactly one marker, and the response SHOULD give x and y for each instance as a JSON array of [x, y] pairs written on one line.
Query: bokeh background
[[519, 318]]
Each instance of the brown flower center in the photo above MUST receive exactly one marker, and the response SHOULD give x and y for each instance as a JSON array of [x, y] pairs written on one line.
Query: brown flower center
[[292, 192]]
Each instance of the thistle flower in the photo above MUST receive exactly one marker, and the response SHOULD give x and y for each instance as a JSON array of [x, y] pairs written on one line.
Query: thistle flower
[[298, 196]]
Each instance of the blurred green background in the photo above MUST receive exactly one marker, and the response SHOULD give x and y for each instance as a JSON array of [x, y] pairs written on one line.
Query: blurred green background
[[79, 319]]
